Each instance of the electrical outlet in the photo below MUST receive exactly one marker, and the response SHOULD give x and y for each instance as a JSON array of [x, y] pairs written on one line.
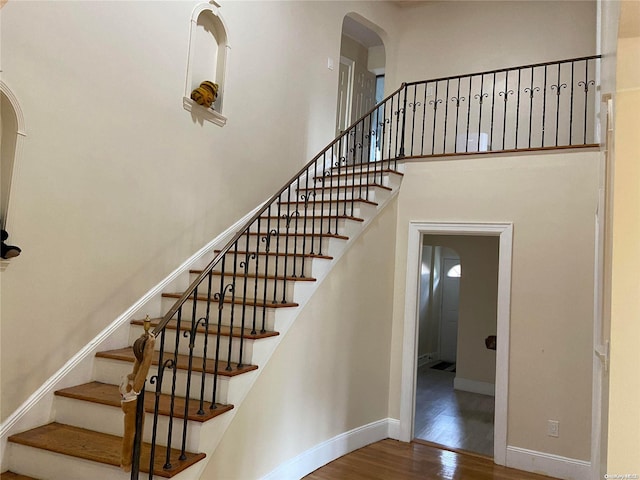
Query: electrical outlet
[[553, 428]]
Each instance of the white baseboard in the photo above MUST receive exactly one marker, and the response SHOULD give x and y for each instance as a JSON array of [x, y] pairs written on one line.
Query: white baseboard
[[394, 428], [474, 386], [334, 448], [548, 464]]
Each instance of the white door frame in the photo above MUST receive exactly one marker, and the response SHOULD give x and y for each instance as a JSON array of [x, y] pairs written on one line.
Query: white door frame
[[410, 337]]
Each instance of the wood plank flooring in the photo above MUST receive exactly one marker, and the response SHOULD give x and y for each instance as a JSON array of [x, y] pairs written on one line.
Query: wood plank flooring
[[394, 460], [456, 419]]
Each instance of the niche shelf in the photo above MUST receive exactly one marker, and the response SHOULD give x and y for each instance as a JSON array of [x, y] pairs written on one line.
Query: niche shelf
[[207, 60]]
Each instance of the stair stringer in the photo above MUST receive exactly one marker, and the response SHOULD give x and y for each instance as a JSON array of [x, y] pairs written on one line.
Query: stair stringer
[[284, 320]]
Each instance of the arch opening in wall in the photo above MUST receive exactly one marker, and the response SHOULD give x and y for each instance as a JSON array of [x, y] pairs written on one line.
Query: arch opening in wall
[[12, 134], [207, 60]]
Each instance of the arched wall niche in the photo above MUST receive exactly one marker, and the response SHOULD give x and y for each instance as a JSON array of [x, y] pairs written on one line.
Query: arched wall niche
[[13, 132], [207, 59]]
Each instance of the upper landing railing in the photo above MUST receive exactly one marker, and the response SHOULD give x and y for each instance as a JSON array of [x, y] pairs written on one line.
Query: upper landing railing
[[548, 105]]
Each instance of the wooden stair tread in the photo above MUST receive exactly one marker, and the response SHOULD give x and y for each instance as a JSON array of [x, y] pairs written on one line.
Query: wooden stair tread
[[281, 254], [185, 325], [365, 172], [268, 277], [250, 302], [106, 394], [304, 234], [100, 447], [354, 186], [371, 167], [14, 476], [335, 200], [126, 355]]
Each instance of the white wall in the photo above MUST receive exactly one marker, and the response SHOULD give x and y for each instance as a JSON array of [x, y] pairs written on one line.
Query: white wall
[[118, 183], [440, 39], [330, 374]]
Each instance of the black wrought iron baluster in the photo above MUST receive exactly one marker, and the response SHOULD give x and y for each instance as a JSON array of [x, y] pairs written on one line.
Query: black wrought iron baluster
[[544, 104], [287, 225], [531, 91], [506, 94], [435, 103], [313, 223], [305, 199], [586, 85], [457, 99], [206, 342], [245, 266], [404, 122], [277, 264], [360, 146], [571, 108], [234, 279], [413, 105], [191, 335], [515, 142], [219, 297], [480, 97], [257, 271], [287, 216], [424, 117], [333, 155], [172, 401], [157, 380], [137, 439], [558, 88], [493, 105], [466, 144], [446, 116], [267, 252], [390, 130]]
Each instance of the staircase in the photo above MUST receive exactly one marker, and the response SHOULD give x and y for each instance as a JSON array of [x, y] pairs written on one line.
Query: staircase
[[244, 303], [213, 336]]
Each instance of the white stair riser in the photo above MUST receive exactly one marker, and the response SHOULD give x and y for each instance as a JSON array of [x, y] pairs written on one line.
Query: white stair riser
[[107, 419], [201, 311], [255, 288], [111, 371], [371, 176], [275, 264], [316, 244], [355, 209], [199, 345], [372, 194], [46, 465], [325, 224]]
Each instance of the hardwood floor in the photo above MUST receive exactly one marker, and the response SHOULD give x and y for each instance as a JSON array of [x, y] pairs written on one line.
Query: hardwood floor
[[393, 460], [456, 419]]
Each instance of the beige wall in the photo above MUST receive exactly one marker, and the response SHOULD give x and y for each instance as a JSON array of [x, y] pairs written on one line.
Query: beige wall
[[440, 39], [118, 183], [330, 374], [477, 304], [551, 200], [624, 414]]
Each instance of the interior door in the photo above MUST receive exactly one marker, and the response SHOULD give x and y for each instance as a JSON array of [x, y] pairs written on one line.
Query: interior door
[[449, 319], [345, 89]]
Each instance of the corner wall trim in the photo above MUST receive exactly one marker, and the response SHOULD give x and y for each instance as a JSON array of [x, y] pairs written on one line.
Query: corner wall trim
[[547, 464], [331, 449]]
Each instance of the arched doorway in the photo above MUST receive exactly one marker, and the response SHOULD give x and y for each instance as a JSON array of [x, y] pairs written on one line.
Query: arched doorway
[[361, 72]]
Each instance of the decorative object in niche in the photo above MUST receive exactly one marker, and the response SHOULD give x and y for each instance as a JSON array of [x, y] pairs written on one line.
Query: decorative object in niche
[[207, 58], [9, 251], [205, 94]]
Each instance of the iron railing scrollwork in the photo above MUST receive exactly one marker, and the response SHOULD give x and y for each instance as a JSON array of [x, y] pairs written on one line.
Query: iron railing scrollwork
[[546, 105]]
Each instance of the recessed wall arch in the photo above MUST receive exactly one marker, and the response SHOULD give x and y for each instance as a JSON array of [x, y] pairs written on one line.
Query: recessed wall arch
[[409, 348], [13, 135], [207, 59]]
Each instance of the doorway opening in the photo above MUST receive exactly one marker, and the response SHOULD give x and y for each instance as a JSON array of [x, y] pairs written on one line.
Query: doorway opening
[[360, 84], [417, 231], [455, 379]]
